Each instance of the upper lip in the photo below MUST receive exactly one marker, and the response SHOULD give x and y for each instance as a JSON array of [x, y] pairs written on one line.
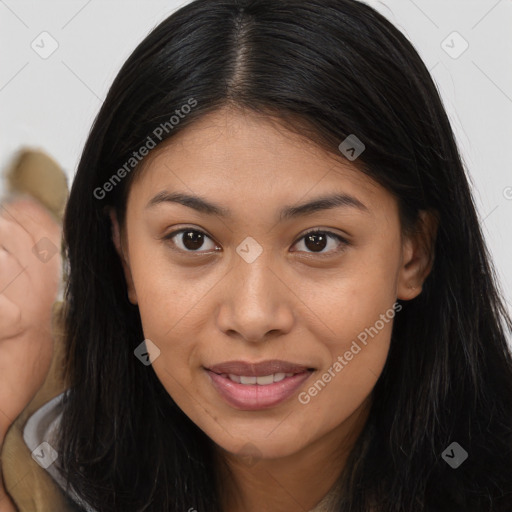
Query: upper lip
[[260, 369]]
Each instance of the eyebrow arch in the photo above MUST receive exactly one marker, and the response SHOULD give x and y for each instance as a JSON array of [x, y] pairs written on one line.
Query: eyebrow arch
[[202, 205]]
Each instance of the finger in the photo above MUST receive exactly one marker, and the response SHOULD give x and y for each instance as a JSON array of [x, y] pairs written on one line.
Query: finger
[[10, 269], [32, 217], [37, 234], [16, 241], [10, 318]]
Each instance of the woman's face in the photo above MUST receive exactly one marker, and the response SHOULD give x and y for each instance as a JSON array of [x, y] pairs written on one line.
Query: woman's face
[[243, 285]]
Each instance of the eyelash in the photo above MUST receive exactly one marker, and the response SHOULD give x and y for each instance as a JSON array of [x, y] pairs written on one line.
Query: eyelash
[[344, 241]]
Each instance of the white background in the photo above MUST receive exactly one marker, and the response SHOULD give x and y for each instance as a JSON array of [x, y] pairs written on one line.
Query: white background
[[51, 103]]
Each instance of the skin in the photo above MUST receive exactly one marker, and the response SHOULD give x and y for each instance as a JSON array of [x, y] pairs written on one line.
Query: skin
[[290, 303], [26, 299]]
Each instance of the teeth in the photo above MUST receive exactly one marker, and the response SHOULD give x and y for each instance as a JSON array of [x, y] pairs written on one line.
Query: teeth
[[247, 380], [262, 381]]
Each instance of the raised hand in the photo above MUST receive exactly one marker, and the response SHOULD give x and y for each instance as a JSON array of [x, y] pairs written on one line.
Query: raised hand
[[30, 276]]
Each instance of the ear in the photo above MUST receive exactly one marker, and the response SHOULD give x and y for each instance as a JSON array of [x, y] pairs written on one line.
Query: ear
[[418, 250], [118, 239]]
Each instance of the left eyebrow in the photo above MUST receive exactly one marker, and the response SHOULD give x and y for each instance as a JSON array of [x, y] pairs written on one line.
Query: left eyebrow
[[322, 203], [202, 205]]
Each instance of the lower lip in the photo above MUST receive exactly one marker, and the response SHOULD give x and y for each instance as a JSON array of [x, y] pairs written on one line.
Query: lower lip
[[250, 397]]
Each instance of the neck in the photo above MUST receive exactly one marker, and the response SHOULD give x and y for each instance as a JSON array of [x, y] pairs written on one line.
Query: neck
[[296, 482]]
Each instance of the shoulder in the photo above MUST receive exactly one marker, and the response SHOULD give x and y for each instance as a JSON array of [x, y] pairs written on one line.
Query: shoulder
[[29, 463]]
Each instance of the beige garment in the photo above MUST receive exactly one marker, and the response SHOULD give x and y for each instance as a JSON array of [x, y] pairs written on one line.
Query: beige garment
[[31, 488]]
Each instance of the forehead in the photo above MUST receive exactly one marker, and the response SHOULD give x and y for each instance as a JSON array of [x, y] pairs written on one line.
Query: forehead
[[232, 154]]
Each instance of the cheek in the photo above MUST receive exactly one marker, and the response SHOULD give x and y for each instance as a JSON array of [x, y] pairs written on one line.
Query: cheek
[[341, 387], [355, 356], [171, 305], [167, 294], [359, 308], [354, 298]]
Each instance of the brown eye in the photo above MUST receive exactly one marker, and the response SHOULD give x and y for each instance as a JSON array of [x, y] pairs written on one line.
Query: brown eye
[[190, 240], [316, 241]]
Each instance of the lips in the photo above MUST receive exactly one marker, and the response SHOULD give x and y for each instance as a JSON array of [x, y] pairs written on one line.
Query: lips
[[261, 369], [253, 386]]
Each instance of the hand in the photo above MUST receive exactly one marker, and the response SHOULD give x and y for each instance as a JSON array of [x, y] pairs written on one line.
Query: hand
[[30, 277]]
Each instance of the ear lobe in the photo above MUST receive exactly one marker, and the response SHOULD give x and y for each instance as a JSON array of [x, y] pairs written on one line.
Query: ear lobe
[[417, 256], [118, 244]]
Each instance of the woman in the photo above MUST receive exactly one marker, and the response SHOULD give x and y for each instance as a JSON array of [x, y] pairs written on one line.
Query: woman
[[328, 335]]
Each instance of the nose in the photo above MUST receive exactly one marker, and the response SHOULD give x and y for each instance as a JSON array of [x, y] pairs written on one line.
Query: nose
[[256, 303]]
